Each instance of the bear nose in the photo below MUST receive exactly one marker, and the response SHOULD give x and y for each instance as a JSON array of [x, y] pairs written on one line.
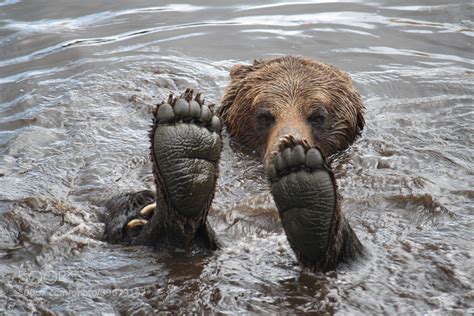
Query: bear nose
[[296, 129]]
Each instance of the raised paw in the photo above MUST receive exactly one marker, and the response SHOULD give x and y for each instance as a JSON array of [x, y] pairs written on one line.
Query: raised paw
[[186, 147], [185, 150], [304, 191]]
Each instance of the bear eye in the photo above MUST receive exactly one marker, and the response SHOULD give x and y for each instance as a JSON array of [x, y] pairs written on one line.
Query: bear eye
[[265, 118], [318, 118]]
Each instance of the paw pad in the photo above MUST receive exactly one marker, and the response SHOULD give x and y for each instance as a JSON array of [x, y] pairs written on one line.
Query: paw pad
[[187, 108], [294, 155]]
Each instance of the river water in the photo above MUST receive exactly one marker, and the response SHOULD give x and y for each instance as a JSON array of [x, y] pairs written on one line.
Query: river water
[[78, 80]]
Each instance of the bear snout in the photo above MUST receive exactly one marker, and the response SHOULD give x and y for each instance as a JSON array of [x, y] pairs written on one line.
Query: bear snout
[[296, 129]]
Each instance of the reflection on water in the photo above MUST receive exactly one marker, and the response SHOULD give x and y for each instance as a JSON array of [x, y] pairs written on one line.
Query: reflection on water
[[78, 82]]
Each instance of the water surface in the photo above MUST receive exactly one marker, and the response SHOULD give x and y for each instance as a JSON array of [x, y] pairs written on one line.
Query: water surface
[[78, 81]]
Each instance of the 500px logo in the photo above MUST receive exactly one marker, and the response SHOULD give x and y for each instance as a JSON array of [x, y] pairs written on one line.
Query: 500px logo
[[48, 277]]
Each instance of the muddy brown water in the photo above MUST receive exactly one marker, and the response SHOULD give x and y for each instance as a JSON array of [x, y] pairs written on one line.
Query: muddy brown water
[[78, 80]]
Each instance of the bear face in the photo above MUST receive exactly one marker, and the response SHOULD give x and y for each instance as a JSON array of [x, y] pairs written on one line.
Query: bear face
[[291, 96]]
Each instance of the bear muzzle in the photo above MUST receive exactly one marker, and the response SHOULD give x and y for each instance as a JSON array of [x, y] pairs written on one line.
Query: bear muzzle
[[296, 129]]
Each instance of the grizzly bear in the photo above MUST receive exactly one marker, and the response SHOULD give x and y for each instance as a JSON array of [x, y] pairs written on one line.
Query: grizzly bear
[[294, 113]]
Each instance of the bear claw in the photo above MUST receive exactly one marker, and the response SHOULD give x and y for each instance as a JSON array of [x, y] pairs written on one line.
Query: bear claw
[[137, 222], [148, 210]]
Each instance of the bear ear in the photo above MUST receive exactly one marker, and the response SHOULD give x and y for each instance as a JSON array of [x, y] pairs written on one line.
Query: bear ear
[[240, 71]]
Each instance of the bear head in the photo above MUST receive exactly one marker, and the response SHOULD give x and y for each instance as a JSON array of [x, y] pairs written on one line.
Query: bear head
[[291, 96]]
